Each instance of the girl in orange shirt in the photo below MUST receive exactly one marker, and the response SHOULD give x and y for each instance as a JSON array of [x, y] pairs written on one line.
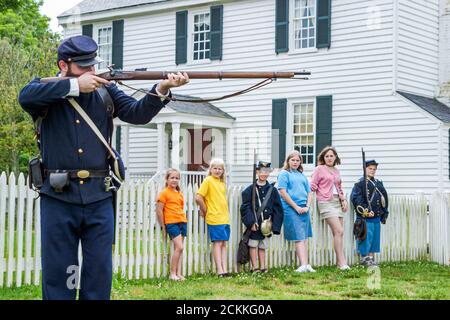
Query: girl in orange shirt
[[173, 219]]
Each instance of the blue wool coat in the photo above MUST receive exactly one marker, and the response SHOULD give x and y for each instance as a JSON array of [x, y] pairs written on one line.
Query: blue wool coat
[[67, 142], [359, 199], [273, 209]]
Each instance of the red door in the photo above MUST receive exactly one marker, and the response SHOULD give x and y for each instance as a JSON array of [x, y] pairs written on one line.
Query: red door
[[200, 149]]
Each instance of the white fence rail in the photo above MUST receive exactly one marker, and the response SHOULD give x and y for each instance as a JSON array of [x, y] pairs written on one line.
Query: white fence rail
[[141, 252]]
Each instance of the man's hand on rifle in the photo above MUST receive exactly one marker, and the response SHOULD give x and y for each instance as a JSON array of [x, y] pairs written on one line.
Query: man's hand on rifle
[[173, 80], [89, 82]]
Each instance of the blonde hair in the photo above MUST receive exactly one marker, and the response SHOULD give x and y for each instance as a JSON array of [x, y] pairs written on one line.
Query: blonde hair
[[289, 157], [321, 156], [168, 173], [217, 162]]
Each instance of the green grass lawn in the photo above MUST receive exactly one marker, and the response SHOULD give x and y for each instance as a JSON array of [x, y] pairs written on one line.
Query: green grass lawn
[[401, 280]]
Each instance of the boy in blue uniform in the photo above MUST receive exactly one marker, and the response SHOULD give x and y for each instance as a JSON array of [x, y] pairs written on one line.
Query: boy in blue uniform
[[258, 242], [75, 201], [372, 212]]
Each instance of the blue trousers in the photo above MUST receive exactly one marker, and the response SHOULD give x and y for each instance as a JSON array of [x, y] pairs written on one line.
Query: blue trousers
[[63, 225], [372, 242]]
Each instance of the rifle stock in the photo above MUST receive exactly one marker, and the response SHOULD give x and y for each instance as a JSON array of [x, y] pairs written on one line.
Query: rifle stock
[[119, 75]]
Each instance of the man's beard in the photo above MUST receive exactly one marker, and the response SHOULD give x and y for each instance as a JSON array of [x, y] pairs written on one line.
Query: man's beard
[[69, 72]]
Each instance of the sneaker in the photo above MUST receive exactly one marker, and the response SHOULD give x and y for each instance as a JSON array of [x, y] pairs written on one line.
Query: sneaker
[[365, 261], [344, 267], [309, 268], [302, 269], [372, 261]]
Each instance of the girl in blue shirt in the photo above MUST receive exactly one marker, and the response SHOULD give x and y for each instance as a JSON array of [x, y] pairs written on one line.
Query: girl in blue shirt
[[296, 198]]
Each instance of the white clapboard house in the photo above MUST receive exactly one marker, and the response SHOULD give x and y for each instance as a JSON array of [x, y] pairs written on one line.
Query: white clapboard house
[[380, 80]]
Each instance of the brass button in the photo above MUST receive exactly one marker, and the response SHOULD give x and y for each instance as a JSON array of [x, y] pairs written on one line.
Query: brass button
[[81, 182], [77, 121], [80, 150]]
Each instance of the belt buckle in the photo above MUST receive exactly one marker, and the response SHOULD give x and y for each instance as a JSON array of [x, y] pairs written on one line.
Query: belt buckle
[[83, 174]]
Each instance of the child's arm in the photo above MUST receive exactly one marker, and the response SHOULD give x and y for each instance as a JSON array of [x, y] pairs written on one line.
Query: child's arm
[[247, 215], [201, 203], [291, 202], [315, 179], [160, 214], [277, 212]]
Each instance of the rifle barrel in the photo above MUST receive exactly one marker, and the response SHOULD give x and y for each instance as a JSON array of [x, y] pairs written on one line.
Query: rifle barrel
[[159, 75], [119, 75]]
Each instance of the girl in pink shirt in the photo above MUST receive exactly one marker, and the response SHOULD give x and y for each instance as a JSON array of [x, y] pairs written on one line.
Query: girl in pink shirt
[[327, 184]]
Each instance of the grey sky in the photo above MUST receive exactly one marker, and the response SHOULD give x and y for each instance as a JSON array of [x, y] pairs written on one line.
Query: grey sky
[[52, 8]]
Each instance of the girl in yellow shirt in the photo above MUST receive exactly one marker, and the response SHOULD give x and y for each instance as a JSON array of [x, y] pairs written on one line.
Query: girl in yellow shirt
[[212, 200], [171, 215]]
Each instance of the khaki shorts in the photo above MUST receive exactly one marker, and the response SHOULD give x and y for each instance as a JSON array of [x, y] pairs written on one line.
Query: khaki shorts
[[261, 244], [329, 209]]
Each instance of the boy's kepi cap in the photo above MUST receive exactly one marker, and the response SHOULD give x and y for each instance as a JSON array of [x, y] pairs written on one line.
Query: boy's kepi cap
[[79, 49], [264, 164], [371, 162]]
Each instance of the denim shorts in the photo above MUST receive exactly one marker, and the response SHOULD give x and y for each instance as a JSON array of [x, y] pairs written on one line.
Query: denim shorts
[[220, 232], [175, 229]]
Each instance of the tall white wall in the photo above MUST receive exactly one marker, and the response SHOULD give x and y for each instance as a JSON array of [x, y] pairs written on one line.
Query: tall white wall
[[357, 71], [418, 46]]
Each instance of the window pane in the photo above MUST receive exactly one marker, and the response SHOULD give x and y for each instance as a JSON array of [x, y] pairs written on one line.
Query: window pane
[[201, 36]]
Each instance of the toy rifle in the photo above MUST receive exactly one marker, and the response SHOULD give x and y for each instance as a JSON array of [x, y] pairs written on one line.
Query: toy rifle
[[254, 186], [366, 187], [142, 74]]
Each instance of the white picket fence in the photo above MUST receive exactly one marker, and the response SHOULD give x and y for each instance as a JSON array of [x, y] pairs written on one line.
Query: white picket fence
[[141, 252], [440, 227]]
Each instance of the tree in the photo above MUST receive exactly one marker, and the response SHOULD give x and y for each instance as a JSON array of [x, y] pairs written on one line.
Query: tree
[[27, 49]]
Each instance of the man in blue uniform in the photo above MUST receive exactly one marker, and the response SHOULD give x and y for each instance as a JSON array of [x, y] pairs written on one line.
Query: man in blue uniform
[[80, 208], [372, 212], [273, 211]]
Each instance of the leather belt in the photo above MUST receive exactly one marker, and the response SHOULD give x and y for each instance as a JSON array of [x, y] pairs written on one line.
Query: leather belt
[[81, 174]]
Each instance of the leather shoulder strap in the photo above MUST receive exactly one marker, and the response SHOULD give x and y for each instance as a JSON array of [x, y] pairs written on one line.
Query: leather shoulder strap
[[108, 102]]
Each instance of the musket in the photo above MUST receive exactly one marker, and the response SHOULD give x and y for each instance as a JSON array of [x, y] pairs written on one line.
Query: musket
[[120, 75], [142, 74], [366, 187], [254, 186]]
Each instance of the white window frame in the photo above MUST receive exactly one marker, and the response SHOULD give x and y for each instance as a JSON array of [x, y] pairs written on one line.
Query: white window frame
[[292, 42], [190, 53], [290, 128], [96, 30]]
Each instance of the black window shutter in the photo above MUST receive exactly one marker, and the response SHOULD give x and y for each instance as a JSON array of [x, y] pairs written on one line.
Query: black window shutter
[[216, 33], [279, 115], [324, 113], [181, 37], [281, 26], [323, 23], [117, 44], [87, 30]]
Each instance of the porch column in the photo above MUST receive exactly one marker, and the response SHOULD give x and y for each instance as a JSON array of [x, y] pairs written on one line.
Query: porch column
[[175, 145], [161, 146], [229, 152]]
